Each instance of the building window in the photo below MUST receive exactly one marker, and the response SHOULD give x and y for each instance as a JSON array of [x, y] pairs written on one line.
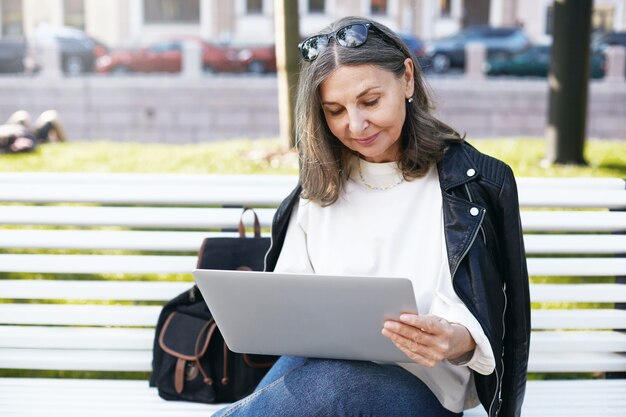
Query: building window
[[12, 19], [74, 13], [317, 6], [254, 6], [171, 11], [445, 8], [602, 19], [379, 7]]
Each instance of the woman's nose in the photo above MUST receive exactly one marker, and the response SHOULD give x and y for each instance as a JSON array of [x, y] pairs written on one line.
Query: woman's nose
[[357, 122]]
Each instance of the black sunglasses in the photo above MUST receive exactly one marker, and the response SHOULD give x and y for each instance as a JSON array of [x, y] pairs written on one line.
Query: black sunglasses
[[350, 36]]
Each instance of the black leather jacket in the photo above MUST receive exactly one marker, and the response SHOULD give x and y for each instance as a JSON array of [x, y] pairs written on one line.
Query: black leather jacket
[[487, 261]]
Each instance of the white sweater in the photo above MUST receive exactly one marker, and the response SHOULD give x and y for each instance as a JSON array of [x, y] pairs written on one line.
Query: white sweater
[[379, 228]]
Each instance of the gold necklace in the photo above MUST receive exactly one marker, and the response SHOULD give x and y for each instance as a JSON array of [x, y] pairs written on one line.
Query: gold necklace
[[375, 187]]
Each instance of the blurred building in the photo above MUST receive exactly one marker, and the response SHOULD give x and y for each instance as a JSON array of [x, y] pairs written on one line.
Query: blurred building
[[130, 22]]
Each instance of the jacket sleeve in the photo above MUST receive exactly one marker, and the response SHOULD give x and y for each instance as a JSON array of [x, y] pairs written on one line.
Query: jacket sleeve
[[517, 315]]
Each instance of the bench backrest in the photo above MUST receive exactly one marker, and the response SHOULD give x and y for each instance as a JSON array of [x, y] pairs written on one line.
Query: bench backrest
[[86, 260]]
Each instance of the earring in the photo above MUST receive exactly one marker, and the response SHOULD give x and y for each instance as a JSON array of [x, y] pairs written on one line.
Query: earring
[[409, 100]]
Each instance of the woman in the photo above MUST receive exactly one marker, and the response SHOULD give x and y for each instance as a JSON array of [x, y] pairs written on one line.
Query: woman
[[386, 189], [18, 135]]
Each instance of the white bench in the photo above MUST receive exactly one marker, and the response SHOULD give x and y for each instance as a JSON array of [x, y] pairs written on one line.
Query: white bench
[[106, 236]]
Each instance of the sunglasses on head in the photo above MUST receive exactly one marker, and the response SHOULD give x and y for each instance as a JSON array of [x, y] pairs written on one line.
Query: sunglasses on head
[[350, 36]]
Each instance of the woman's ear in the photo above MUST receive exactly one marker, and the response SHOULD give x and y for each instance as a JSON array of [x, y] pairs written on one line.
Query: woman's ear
[[409, 82]]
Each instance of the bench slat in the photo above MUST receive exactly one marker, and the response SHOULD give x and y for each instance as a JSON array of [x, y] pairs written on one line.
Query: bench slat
[[579, 319], [577, 362], [580, 398], [265, 195], [27, 397], [83, 338], [76, 360], [107, 240], [573, 221], [594, 183], [581, 267], [578, 293], [578, 341], [178, 194], [200, 180], [574, 244], [95, 264], [92, 290], [97, 338], [221, 218], [98, 264], [572, 198], [115, 315], [190, 241], [139, 217], [140, 361], [78, 314], [164, 291]]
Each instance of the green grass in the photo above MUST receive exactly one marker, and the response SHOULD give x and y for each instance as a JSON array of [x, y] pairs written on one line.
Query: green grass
[[267, 156], [605, 158], [231, 157]]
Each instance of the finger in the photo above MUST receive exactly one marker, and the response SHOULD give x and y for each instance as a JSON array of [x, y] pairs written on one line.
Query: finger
[[417, 358], [408, 331], [427, 323], [433, 345], [414, 345], [413, 352]]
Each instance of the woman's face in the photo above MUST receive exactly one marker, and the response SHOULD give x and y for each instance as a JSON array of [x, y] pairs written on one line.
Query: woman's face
[[364, 107]]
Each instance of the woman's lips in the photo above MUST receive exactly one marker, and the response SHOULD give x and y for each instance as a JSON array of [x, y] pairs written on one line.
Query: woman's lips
[[367, 141]]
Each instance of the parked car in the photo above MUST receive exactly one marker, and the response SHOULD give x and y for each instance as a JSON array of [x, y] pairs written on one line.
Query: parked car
[[449, 52], [601, 41], [416, 45], [166, 56], [260, 59], [159, 57], [79, 51], [13, 52], [535, 61]]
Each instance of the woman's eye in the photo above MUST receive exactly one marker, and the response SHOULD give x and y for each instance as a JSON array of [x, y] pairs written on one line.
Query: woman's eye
[[371, 102], [334, 112]]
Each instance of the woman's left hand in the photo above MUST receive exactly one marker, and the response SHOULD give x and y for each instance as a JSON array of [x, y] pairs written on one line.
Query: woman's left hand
[[429, 339]]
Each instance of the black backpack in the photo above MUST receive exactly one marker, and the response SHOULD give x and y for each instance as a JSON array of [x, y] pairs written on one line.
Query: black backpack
[[190, 361]]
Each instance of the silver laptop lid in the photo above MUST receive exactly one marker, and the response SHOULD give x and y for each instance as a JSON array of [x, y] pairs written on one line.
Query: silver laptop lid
[[321, 316]]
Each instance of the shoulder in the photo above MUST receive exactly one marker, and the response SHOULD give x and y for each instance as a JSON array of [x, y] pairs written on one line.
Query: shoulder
[[489, 169]]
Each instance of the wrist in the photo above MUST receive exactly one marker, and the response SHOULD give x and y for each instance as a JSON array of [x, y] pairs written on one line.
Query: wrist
[[464, 344]]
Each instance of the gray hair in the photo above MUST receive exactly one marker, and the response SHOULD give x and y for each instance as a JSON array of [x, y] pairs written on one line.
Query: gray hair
[[324, 160]]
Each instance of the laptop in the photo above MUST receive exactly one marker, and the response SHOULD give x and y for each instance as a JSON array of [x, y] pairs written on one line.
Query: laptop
[[320, 316]]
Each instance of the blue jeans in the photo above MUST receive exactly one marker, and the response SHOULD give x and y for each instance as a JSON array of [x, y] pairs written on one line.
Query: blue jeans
[[305, 387]]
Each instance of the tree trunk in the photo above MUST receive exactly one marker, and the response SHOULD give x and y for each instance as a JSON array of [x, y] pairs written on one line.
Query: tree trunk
[[569, 81], [287, 62]]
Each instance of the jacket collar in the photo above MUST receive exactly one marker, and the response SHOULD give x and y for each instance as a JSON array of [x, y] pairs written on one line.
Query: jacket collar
[[462, 217], [455, 167]]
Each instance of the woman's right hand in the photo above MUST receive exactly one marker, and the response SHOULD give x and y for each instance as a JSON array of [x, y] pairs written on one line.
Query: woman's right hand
[[429, 339]]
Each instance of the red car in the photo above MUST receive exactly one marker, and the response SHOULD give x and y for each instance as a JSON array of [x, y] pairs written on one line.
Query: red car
[[166, 56]]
